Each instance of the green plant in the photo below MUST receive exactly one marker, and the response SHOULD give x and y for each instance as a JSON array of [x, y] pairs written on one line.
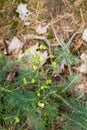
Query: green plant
[[36, 98], [30, 97]]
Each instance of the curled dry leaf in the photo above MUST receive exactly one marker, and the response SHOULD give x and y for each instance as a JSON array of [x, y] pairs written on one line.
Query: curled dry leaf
[[77, 3], [79, 87], [2, 45], [43, 57], [42, 28], [83, 57], [33, 53], [23, 13], [33, 49], [30, 124], [82, 86], [82, 68], [78, 45], [60, 122], [84, 35], [12, 73], [62, 64], [59, 69], [15, 46]]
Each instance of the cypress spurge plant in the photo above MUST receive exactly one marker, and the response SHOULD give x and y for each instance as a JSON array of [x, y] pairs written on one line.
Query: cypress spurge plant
[[33, 100]]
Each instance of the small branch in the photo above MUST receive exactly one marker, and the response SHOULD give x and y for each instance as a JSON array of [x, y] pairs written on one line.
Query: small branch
[[36, 37], [58, 41], [77, 32]]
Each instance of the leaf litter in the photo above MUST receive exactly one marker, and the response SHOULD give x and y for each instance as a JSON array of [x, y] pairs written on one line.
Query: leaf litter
[[42, 28], [23, 13], [15, 47]]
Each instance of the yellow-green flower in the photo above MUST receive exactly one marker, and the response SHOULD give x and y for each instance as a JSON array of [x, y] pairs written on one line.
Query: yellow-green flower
[[42, 59], [32, 81], [54, 64], [38, 94], [42, 47], [17, 120], [41, 104], [38, 53], [48, 81], [34, 67], [51, 56], [36, 61], [27, 50], [43, 87], [25, 81]]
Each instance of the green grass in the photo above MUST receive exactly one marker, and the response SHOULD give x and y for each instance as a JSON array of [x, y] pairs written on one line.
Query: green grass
[[34, 97]]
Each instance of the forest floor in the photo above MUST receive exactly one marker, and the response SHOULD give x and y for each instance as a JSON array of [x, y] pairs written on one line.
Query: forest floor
[[43, 65]]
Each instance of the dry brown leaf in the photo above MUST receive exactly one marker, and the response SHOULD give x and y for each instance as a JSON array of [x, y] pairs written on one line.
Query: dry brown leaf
[[82, 86], [59, 69], [33, 53], [2, 46], [12, 73], [77, 3], [62, 65], [33, 49], [15, 46], [42, 28], [82, 68], [78, 45], [60, 122], [84, 35], [43, 57], [83, 57], [23, 13]]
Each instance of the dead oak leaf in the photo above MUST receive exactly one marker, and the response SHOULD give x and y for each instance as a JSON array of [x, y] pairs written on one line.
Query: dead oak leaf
[[23, 13], [43, 57], [42, 28], [84, 35], [82, 86], [83, 57], [82, 68], [78, 45], [11, 75], [33, 54], [77, 3], [15, 46], [60, 68]]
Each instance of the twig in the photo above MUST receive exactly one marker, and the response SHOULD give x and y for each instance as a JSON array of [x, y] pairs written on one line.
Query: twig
[[58, 41], [81, 13], [36, 37], [77, 32]]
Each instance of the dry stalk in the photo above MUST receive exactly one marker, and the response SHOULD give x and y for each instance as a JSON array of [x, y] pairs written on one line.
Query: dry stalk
[[77, 32], [58, 41]]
